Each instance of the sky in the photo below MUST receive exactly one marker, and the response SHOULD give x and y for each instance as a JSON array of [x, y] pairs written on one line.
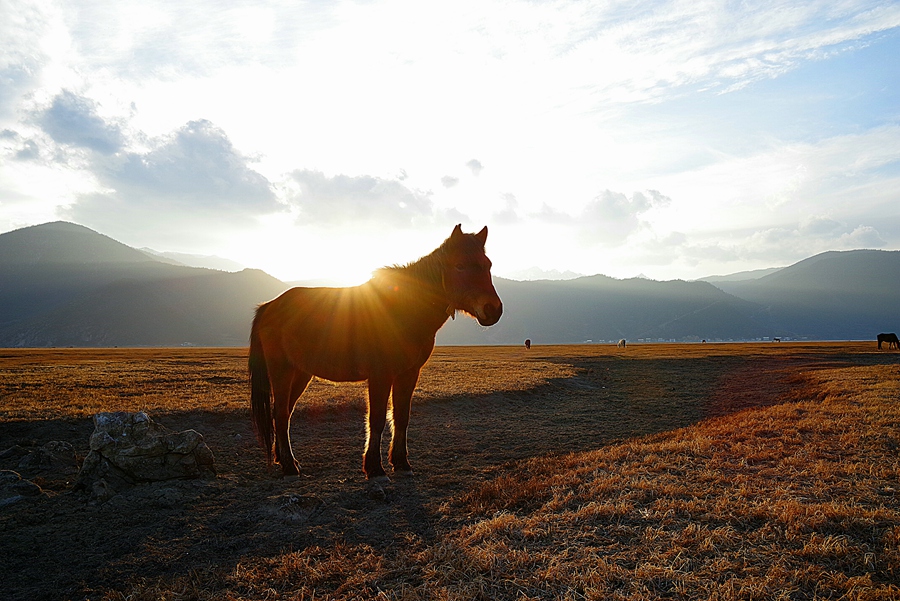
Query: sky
[[322, 140]]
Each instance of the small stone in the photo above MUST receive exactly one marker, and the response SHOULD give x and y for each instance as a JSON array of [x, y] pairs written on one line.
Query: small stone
[[56, 455], [375, 492], [14, 489]]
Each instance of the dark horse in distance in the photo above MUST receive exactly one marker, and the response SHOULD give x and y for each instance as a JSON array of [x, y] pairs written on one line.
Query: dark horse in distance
[[381, 331], [891, 339]]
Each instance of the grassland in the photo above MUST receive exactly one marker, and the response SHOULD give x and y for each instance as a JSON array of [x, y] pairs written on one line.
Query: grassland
[[714, 471]]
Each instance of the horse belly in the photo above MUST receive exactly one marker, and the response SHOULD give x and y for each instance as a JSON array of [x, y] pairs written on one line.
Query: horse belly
[[357, 363], [359, 360], [338, 371], [328, 358]]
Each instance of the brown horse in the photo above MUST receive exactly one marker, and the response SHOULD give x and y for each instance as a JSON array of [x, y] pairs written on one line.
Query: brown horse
[[891, 339], [382, 331]]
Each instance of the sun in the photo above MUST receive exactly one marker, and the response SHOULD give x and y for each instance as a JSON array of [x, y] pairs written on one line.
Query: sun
[[328, 257]]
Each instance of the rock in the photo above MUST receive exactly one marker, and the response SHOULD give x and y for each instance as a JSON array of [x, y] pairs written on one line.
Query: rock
[[15, 452], [13, 489], [55, 456], [130, 448], [297, 508]]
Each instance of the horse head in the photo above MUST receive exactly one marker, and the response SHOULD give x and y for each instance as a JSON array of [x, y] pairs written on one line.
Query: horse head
[[467, 277]]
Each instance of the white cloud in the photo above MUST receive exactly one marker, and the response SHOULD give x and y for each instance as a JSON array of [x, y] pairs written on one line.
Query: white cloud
[[552, 216], [19, 148], [751, 249], [475, 166], [72, 119], [819, 226], [612, 216], [133, 39], [607, 219], [22, 29], [509, 214], [196, 166], [863, 236], [191, 183], [347, 201]]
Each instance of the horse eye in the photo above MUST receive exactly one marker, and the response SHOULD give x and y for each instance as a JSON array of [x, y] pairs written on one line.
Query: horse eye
[[460, 267]]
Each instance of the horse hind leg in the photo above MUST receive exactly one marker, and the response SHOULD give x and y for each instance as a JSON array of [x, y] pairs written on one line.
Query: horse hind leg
[[286, 393]]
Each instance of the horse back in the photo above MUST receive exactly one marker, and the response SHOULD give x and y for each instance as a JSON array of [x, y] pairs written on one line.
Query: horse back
[[341, 334]]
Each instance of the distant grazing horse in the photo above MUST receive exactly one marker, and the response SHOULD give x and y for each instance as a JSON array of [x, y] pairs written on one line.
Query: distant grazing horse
[[621, 344], [381, 331], [528, 343], [891, 340]]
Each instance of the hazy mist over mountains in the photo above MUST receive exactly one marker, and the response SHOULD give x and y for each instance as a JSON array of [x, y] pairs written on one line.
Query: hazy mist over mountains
[[536, 273], [62, 284], [204, 261]]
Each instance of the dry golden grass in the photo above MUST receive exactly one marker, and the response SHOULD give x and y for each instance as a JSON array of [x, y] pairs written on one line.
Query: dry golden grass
[[799, 499], [794, 501], [73, 383]]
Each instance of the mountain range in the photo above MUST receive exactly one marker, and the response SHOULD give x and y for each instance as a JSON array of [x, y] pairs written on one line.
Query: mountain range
[[62, 284]]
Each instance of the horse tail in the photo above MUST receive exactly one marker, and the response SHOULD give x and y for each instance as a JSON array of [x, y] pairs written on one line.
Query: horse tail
[[260, 391]]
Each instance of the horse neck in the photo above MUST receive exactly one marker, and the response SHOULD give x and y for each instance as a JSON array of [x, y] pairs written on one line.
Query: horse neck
[[421, 282], [429, 271]]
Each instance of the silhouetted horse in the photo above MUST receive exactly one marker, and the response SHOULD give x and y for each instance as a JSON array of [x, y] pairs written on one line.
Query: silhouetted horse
[[891, 339], [528, 343], [621, 343], [382, 331]]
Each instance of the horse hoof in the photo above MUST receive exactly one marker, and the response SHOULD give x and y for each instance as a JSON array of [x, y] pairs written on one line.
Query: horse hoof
[[375, 492], [381, 480], [290, 473], [404, 473]]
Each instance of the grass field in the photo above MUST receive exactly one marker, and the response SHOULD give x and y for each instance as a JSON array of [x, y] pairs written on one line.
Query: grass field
[[704, 471]]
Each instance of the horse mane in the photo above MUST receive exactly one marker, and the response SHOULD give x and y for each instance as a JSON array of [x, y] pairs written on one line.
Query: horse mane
[[428, 269]]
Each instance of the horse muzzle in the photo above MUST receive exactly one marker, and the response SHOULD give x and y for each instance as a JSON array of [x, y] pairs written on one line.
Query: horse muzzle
[[489, 313]]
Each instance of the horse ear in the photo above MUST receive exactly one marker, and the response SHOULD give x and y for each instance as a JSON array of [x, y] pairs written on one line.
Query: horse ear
[[457, 231], [482, 235]]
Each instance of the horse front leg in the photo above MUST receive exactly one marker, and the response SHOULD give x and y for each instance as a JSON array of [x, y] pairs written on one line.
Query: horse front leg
[[379, 391], [404, 385]]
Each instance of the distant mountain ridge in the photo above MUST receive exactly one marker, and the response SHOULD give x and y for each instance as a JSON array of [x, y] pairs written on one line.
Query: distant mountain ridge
[[740, 276], [536, 273], [192, 260], [62, 284], [600, 308], [63, 243], [832, 295]]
